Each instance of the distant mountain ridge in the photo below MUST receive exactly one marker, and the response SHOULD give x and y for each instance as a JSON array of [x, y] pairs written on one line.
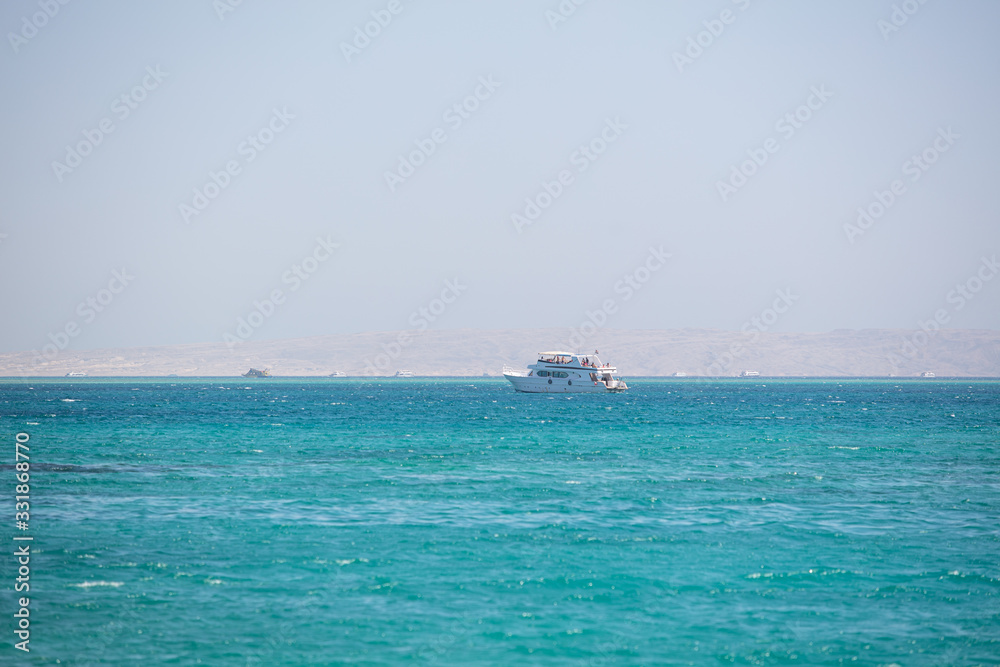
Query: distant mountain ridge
[[471, 352]]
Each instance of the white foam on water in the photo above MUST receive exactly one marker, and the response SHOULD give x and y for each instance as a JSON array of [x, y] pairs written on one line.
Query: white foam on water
[[91, 584]]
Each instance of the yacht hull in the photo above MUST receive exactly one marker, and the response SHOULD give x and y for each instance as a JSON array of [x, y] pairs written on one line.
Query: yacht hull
[[574, 385]]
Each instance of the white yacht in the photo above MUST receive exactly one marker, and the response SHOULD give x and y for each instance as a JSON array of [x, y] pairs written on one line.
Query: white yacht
[[404, 374], [749, 374], [337, 374], [76, 374], [566, 372], [927, 374]]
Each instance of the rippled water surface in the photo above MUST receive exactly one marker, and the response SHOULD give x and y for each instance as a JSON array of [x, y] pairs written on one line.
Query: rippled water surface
[[280, 522]]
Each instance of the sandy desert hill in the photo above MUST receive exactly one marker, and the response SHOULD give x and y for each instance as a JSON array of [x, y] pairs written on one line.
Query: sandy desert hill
[[465, 352]]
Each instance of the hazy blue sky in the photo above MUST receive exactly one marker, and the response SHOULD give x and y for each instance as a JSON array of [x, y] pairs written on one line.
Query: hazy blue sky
[[672, 131]]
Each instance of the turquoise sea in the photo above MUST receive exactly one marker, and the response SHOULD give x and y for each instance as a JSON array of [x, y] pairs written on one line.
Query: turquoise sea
[[314, 522]]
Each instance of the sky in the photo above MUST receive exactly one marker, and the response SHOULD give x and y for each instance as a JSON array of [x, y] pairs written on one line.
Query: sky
[[200, 171]]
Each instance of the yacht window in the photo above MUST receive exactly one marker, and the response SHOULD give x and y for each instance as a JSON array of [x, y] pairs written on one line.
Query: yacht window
[[543, 374]]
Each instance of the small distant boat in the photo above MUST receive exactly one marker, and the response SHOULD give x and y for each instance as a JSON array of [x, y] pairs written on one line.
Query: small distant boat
[[404, 374], [749, 374], [76, 374], [337, 374], [254, 373], [566, 372], [927, 374], [680, 374]]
